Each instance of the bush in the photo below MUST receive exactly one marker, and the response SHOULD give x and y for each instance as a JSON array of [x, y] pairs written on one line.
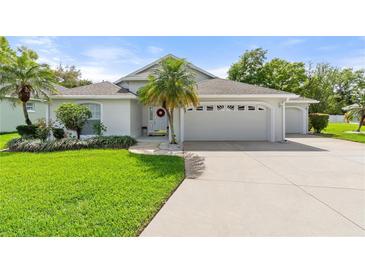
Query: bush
[[309, 125], [318, 121], [99, 128], [19, 144], [27, 131], [43, 130], [73, 116], [58, 133]]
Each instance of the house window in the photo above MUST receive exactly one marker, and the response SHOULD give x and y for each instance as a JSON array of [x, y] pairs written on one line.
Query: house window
[[210, 108], [261, 108], [30, 107], [190, 109], [251, 108], [230, 107], [241, 107], [199, 108], [88, 128], [220, 107], [95, 111]]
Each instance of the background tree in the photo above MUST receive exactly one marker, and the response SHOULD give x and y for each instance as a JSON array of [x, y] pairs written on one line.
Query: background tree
[[70, 77], [23, 77], [172, 85], [333, 87], [249, 67], [73, 116], [283, 75], [320, 85]]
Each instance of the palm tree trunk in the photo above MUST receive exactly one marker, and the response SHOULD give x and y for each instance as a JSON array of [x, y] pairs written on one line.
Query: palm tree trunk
[[360, 123], [170, 116], [26, 116], [78, 132]]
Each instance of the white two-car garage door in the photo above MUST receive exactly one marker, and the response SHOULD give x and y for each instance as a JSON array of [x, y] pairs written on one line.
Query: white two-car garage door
[[227, 122]]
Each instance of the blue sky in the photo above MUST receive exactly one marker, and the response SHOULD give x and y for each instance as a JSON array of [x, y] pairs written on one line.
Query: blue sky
[[108, 58]]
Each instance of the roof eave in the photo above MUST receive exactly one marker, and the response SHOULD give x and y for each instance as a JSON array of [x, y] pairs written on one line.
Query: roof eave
[[233, 96], [126, 96]]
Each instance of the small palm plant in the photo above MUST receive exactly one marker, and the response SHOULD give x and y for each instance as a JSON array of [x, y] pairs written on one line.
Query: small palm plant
[[23, 77], [356, 110], [172, 85]]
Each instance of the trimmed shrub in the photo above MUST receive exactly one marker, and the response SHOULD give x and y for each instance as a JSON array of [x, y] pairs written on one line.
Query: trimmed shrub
[[99, 128], [19, 144], [43, 130], [27, 131], [309, 125], [319, 121], [58, 133]]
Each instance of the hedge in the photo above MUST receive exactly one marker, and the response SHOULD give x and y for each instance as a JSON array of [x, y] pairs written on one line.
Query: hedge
[[36, 145], [318, 121]]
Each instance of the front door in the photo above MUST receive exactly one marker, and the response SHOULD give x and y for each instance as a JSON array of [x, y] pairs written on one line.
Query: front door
[[157, 121]]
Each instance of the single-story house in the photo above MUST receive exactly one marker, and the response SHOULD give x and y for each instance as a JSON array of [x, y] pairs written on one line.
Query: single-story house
[[228, 110]]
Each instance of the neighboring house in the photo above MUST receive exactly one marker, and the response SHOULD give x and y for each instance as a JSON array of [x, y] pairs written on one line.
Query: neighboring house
[[11, 111], [228, 110]]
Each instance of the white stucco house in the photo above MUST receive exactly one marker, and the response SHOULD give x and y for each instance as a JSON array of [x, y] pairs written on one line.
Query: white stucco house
[[228, 110]]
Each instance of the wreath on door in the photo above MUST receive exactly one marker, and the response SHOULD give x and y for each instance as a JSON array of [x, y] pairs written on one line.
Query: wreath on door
[[160, 112]]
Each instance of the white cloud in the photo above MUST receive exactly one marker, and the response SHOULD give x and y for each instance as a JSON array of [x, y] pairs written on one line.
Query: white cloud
[[98, 73], [221, 72], [47, 49], [356, 61], [38, 41], [292, 42], [113, 54], [154, 50]]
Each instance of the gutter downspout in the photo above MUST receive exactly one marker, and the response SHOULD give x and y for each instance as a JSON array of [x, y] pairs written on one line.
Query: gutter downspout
[[283, 118]]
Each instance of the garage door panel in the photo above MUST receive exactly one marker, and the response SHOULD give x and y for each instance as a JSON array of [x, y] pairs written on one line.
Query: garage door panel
[[293, 120], [226, 125]]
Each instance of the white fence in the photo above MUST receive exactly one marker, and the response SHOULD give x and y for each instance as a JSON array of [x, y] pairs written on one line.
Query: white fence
[[336, 119]]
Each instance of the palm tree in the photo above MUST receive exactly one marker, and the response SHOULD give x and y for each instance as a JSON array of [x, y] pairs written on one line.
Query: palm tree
[[172, 85], [24, 77], [357, 110]]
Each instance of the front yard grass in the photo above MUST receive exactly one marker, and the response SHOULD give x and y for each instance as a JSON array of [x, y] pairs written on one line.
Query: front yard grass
[[338, 130], [4, 138], [83, 193]]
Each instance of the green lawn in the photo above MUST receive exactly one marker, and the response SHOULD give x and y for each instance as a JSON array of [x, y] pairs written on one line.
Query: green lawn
[[337, 130], [83, 193], [4, 138]]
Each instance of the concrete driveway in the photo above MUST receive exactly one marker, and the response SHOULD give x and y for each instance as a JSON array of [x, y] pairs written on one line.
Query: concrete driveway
[[309, 186]]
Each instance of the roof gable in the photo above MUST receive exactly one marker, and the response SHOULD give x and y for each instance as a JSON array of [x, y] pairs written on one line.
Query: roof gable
[[142, 73]]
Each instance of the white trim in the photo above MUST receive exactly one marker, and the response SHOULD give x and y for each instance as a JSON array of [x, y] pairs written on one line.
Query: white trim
[[182, 125], [303, 102], [240, 96], [283, 120], [95, 103]]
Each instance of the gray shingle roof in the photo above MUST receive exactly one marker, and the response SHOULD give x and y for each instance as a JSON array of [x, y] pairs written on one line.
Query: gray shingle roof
[[227, 87], [102, 88]]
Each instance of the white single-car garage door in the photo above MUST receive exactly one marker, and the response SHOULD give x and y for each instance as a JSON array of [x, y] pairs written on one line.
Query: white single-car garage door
[[227, 122], [293, 120]]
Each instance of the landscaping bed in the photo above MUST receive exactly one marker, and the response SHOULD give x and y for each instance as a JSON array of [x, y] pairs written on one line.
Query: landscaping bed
[[94, 192]]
